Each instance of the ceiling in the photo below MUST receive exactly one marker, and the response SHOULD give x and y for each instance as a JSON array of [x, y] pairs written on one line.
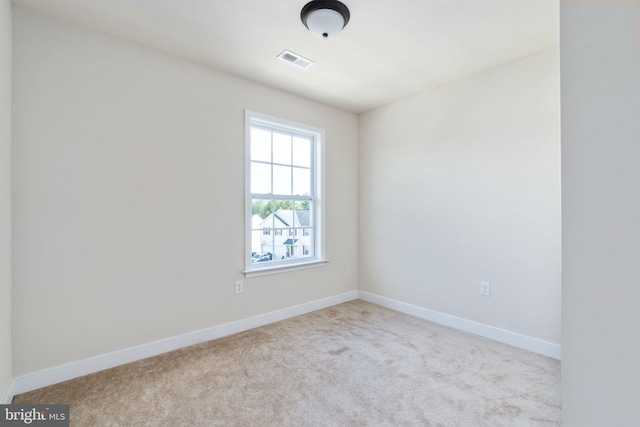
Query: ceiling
[[390, 50]]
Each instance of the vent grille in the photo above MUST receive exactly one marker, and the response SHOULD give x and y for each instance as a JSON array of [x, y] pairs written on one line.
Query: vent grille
[[295, 59]]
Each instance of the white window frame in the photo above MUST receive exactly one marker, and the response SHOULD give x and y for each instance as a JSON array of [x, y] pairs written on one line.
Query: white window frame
[[318, 135]]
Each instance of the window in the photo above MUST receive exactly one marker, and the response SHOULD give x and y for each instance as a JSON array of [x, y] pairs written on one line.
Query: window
[[283, 194]]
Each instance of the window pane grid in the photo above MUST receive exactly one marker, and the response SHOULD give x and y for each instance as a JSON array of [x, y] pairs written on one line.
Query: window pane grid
[[282, 185]]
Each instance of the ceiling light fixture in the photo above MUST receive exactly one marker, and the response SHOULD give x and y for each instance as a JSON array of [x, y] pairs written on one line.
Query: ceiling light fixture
[[325, 18]]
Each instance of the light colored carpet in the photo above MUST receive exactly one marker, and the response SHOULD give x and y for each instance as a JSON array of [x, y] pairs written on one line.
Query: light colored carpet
[[355, 364]]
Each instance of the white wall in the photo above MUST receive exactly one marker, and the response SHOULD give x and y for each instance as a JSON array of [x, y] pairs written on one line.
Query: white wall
[[600, 213], [128, 196], [462, 185], [5, 196]]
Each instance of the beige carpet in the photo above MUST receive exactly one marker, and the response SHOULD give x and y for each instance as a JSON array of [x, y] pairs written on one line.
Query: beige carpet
[[355, 364]]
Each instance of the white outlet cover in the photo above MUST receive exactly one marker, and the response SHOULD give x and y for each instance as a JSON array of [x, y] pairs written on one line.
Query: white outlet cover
[[485, 288]]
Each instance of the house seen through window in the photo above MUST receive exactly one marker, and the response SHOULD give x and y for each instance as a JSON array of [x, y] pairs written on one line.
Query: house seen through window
[[283, 203]]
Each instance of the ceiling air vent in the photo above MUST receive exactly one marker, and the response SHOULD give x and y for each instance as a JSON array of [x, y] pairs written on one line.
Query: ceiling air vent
[[295, 59]]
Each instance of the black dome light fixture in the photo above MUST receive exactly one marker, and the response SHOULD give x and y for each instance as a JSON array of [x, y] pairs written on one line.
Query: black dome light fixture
[[325, 18]]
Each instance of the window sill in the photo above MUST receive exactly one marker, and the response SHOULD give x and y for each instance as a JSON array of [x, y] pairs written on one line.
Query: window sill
[[284, 268]]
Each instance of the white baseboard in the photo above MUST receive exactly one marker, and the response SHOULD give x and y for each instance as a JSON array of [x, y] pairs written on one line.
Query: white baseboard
[[50, 376], [517, 340], [8, 394]]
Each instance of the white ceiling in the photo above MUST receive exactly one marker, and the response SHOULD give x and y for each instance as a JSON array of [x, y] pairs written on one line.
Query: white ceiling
[[390, 50]]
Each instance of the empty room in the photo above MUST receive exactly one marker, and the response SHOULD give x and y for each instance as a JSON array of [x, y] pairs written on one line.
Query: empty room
[[293, 212]]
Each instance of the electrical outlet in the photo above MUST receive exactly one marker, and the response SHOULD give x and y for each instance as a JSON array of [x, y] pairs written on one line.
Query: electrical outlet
[[485, 289], [239, 287]]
